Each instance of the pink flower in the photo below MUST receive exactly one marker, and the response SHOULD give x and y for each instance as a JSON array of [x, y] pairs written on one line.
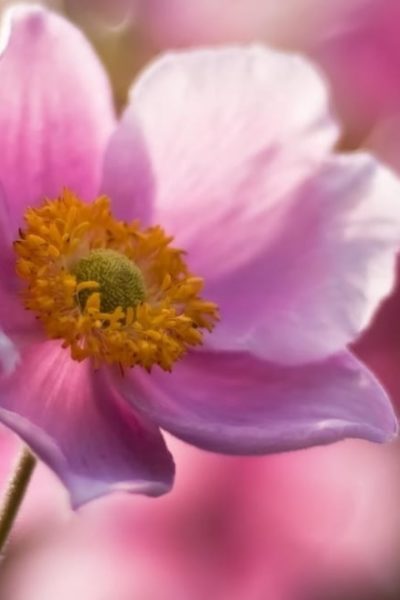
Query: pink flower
[[281, 527], [230, 151]]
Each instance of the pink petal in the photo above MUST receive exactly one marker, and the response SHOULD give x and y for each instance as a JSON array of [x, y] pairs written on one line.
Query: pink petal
[[310, 290], [127, 176], [236, 404], [213, 122], [282, 235], [8, 276], [6, 237], [15, 320], [56, 112], [82, 428], [9, 355]]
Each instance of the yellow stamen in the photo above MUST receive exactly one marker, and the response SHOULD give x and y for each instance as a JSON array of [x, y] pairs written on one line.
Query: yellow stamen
[[111, 291]]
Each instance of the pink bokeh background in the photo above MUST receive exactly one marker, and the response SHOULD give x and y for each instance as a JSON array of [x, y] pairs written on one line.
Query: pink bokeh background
[[320, 523]]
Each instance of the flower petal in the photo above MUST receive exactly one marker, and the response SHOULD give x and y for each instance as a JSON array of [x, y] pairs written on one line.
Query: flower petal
[[56, 112], [281, 233], [82, 428], [288, 242], [14, 319], [9, 355], [127, 176], [236, 404], [6, 252], [225, 115], [309, 290]]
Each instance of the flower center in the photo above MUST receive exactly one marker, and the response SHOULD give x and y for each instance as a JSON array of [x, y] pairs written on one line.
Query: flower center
[[119, 280], [112, 292]]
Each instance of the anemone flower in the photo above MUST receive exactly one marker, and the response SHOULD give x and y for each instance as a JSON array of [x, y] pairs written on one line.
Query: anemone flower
[[224, 201]]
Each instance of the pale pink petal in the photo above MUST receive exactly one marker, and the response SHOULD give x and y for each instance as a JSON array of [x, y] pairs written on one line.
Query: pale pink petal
[[213, 123], [6, 234], [281, 234], [173, 23], [56, 112], [311, 289], [14, 319], [9, 355], [127, 175], [81, 427], [236, 404], [8, 274]]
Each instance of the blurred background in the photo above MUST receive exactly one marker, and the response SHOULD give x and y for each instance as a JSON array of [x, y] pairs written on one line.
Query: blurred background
[[320, 524]]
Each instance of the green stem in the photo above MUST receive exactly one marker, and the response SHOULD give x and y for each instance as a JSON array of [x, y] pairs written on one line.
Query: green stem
[[15, 492]]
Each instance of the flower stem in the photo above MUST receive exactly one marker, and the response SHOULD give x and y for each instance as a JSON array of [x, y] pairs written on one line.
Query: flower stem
[[15, 492]]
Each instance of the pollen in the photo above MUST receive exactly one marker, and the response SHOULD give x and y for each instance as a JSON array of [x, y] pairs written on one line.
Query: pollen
[[112, 292]]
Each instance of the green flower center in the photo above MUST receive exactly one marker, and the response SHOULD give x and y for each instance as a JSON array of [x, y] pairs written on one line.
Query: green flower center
[[120, 281]]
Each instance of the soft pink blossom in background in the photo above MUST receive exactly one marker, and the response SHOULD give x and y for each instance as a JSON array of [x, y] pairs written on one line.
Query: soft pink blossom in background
[[285, 526], [355, 42], [360, 53], [181, 23], [302, 526]]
